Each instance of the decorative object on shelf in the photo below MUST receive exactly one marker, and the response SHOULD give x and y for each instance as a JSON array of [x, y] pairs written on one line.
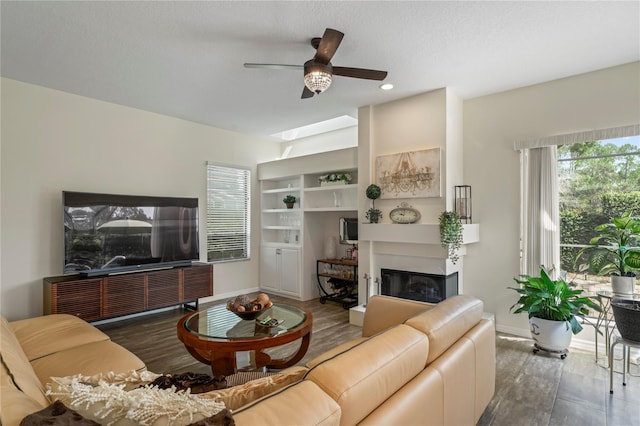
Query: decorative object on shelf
[[339, 178], [289, 200], [463, 202], [373, 215], [552, 307], [451, 234], [616, 252], [336, 199], [409, 174], [373, 192], [330, 248], [404, 213]]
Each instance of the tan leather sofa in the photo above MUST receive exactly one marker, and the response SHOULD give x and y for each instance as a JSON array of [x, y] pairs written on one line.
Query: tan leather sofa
[[415, 364], [35, 349]]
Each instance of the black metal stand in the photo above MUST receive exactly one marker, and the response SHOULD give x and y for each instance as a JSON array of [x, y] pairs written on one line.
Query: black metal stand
[[343, 283]]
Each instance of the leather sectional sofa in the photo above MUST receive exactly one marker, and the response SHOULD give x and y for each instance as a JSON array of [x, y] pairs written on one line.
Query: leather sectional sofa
[[416, 363]]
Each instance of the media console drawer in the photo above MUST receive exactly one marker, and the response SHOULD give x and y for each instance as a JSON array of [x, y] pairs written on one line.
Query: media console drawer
[[97, 298]]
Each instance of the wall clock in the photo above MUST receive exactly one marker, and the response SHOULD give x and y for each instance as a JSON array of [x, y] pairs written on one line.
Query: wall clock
[[404, 213]]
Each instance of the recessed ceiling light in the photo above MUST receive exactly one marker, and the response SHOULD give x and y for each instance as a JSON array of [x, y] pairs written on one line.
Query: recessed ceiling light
[[386, 86]]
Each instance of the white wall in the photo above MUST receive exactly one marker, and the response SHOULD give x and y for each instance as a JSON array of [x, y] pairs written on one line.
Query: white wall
[[54, 141], [602, 99]]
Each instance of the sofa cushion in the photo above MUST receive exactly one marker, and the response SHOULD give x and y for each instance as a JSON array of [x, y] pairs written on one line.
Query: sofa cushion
[[384, 312], [238, 396], [17, 368], [446, 324], [363, 377], [303, 403], [89, 359], [45, 335], [335, 351]]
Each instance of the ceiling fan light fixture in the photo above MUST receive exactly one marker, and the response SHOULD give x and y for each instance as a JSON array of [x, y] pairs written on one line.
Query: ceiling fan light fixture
[[317, 77]]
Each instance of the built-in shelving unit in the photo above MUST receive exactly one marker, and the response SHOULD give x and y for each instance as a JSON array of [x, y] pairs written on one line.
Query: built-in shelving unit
[[300, 234]]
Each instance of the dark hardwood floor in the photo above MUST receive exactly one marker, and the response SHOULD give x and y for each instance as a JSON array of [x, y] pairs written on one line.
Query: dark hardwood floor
[[531, 389]]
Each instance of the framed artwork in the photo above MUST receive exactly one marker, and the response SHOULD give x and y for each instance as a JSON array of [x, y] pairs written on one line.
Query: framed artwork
[[414, 174]]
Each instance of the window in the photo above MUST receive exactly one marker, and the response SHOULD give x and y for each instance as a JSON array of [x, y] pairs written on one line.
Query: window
[[598, 180], [228, 213]]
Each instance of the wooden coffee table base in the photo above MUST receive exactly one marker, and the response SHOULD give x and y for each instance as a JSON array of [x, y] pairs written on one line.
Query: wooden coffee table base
[[221, 354]]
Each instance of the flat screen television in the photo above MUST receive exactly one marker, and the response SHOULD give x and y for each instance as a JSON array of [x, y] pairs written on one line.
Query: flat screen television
[[107, 233]]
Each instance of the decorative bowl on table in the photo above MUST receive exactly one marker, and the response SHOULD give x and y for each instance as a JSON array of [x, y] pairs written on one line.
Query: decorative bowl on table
[[247, 308]]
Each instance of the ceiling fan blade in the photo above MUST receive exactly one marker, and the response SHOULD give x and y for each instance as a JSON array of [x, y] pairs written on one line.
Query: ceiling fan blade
[[274, 66], [306, 93], [328, 46], [360, 73]]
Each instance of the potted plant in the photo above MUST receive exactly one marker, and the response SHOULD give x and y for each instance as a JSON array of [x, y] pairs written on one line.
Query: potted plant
[[289, 200], [451, 234], [373, 192], [552, 306], [339, 178], [616, 252]]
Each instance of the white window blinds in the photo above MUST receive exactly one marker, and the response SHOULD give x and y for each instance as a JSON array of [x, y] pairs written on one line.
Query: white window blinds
[[228, 212]]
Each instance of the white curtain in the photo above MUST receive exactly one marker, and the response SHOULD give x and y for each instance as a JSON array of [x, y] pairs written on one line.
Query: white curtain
[[540, 211], [540, 216]]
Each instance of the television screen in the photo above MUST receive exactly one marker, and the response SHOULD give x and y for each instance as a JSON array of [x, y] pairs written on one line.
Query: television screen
[[348, 230], [107, 233]]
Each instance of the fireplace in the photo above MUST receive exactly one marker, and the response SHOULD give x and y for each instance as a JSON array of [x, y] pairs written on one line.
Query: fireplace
[[418, 286]]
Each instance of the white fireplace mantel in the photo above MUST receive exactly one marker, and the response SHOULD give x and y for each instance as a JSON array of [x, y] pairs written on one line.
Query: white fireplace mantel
[[415, 233]]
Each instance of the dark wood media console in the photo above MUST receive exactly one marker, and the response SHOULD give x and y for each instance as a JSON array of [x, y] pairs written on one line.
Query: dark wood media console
[[98, 298]]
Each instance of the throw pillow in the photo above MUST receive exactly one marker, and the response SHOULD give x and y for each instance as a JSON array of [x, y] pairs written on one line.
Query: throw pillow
[[57, 414], [238, 396], [111, 404]]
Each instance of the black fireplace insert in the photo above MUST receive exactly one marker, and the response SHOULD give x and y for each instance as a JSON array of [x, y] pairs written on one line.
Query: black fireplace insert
[[418, 286]]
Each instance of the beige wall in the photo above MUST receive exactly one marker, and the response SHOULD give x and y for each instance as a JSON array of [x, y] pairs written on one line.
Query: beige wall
[[601, 99], [54, 141]]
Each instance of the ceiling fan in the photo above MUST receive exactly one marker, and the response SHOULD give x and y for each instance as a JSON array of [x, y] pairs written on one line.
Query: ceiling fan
[[318, 71]]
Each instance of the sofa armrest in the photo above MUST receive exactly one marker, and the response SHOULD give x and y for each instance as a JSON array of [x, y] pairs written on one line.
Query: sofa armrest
[[384, 312]]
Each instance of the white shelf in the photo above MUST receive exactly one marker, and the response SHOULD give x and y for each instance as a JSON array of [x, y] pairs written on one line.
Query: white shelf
[[282, 227], [281, 210], [331, 188], [280, 190], [331, 209]]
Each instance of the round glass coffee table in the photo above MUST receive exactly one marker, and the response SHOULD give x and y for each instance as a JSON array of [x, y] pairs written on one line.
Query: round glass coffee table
[[213, 336]]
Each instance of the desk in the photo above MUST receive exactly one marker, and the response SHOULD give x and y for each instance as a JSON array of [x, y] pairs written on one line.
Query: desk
[[213, 336]]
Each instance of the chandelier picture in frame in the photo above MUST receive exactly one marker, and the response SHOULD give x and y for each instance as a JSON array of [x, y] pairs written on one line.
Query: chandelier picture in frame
[[413, 174]]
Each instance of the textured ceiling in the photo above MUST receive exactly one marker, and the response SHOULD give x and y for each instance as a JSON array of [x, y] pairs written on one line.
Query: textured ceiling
[[185, 59]]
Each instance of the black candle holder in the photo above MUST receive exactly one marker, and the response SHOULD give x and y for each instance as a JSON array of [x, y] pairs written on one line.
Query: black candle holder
[[463, 202]]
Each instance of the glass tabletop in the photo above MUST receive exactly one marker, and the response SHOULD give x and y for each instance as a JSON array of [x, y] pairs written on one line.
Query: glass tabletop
[[612, 295], [218, 322]]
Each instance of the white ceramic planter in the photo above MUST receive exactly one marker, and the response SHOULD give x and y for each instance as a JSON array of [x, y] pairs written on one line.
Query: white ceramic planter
[[622, 285], [553, 336]]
